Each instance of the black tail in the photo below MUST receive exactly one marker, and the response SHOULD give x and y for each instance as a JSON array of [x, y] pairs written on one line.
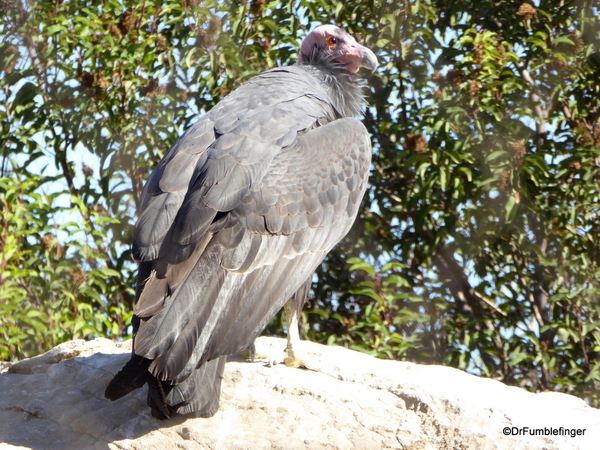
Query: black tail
[[131, 377], [199, 393]]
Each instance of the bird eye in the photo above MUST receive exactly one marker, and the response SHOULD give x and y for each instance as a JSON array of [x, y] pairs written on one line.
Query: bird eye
[[331, 41]]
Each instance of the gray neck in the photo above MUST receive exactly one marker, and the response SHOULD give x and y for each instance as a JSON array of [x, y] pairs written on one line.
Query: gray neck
[[345, 88]]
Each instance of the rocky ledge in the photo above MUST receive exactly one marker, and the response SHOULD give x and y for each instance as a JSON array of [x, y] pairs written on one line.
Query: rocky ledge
[[345, 400]]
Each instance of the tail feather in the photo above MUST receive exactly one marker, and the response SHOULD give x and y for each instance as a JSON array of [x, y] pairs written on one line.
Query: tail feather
[[131, 377], [157, 398], [199, 393]]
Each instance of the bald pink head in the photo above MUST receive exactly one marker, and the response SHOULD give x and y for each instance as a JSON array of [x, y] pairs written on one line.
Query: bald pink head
[[340, 46]]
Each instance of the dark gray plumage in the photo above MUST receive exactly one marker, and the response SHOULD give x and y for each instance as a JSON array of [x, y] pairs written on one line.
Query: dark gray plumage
[[237, 217]]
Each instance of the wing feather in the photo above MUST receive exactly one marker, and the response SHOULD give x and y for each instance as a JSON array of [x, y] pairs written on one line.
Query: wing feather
[[254, 265]]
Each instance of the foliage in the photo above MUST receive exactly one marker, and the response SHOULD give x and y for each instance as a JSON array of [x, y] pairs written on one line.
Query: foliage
[[51, 291], [478, 246]]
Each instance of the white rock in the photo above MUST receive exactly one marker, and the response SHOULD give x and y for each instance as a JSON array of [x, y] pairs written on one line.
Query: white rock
[[347, 400]]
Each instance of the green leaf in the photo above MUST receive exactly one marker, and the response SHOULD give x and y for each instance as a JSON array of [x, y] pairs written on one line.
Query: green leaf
[[511, 208], [359, 264], [495, 155], [53, 29]]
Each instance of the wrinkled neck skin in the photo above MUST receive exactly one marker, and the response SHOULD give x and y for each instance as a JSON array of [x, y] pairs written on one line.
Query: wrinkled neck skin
[[346, 89]]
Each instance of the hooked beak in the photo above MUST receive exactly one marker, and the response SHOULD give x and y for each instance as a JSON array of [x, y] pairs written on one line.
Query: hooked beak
[[369, 60]]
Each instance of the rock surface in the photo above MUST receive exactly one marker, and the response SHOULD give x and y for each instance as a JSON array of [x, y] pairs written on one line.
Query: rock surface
[[346, 400]]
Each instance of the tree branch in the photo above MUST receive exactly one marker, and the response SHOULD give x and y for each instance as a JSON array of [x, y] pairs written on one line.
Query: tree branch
[[468, 303], [541, 113]]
